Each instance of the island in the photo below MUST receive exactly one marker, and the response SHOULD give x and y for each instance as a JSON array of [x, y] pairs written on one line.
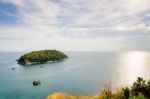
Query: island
[[41, 57]]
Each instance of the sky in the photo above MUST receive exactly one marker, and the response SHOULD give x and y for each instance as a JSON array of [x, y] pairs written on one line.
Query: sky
[[75, 25]]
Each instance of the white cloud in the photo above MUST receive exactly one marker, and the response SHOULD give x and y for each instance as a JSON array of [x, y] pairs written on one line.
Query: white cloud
[[102, 15], [76, 19], [113, 13]]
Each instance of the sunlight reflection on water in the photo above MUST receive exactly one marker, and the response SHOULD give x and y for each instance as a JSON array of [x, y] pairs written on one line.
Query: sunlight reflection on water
[[132, 65]]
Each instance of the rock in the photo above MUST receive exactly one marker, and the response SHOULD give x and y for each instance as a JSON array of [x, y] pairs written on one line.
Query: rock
[[36, 82], [41, 66], [13, 68]]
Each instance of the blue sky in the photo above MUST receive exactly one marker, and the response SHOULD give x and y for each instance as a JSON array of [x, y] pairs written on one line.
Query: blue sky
[[7, 12], [78, 25]]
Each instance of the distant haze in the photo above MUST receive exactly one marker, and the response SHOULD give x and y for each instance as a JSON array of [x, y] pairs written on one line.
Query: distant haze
[[75, 25]]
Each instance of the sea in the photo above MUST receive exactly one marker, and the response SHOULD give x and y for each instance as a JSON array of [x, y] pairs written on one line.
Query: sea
[[83, 73]]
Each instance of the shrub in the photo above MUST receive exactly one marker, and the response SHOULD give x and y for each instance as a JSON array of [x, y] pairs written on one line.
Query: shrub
[[126, 92], [141, 96], [141, 86]]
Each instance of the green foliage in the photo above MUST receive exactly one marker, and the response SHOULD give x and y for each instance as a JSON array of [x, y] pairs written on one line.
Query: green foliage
[[126, 92], [139, 90], [141, 96], [42, 56], [141, 86]]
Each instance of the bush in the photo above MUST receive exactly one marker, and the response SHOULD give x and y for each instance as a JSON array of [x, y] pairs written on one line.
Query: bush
[[126, 93], [141, 86], [141, 96]]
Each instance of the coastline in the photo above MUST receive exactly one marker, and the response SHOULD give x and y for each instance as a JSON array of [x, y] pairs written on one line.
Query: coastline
[[38, 63]]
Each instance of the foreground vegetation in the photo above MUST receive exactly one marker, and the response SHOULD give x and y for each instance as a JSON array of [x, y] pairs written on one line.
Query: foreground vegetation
[[43, 56], [139, 90]]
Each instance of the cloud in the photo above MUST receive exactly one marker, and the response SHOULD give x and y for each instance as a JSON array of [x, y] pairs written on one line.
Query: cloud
[[78, 19], [104, 15], [113, 13]]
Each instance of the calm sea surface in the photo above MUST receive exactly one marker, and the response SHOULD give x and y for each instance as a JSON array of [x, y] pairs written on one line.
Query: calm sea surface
[[84, 73]]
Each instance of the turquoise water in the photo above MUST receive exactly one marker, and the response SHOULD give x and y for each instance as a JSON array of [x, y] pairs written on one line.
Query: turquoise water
[[84, 73]]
